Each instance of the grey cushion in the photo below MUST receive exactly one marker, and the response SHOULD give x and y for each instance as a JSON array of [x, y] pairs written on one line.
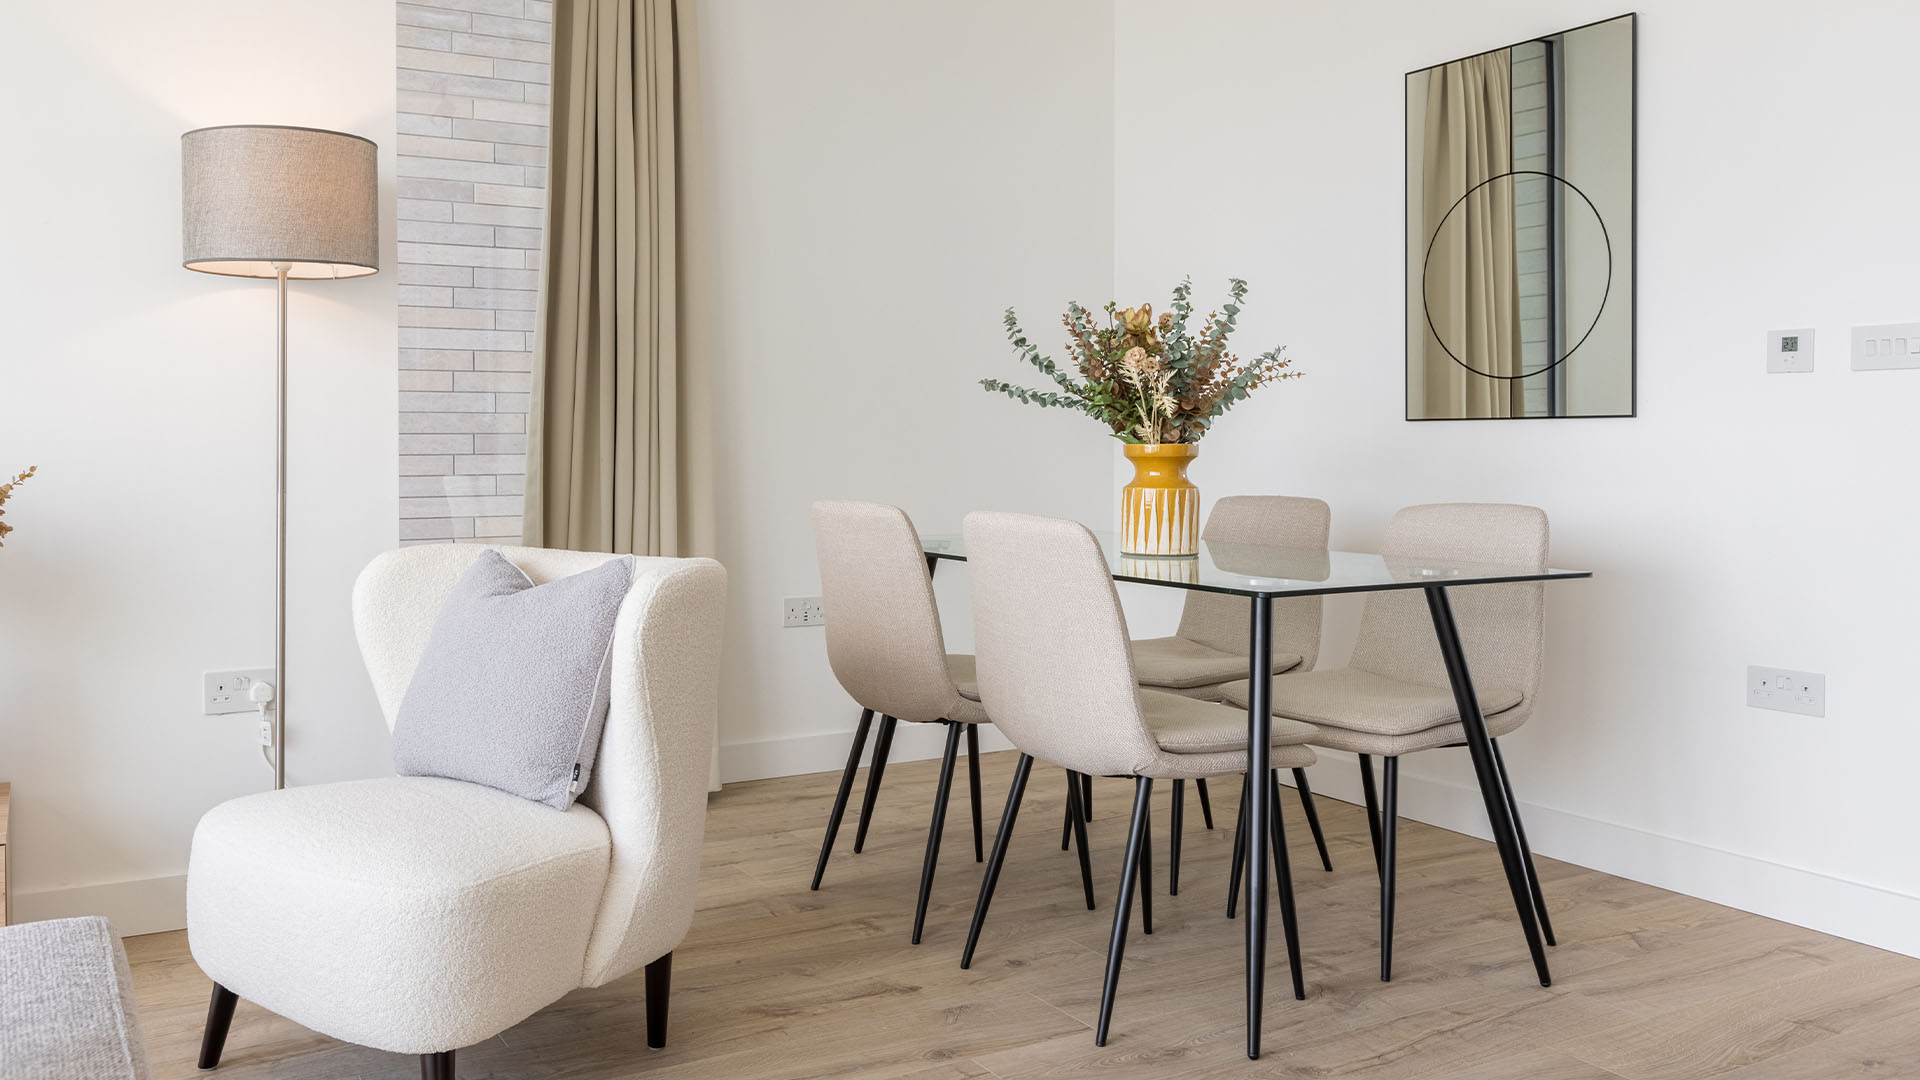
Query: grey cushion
[[512, 689], [66, 1004]]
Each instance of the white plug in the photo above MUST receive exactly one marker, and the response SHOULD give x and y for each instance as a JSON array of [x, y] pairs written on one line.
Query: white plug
[[261, 694]]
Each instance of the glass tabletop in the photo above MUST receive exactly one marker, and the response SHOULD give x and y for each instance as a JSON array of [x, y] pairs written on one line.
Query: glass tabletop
[[1264, 570]]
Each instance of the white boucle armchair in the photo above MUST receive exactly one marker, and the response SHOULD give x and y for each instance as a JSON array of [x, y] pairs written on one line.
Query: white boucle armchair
[[419, 915]]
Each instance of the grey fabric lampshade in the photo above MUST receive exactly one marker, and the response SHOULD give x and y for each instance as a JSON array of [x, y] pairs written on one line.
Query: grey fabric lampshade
[[254, 195]]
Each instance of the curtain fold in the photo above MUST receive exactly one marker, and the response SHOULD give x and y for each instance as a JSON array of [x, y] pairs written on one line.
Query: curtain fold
[[619, 455], [1472, 283]]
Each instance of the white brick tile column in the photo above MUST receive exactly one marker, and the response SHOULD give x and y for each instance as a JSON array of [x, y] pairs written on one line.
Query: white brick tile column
[[473, 79]]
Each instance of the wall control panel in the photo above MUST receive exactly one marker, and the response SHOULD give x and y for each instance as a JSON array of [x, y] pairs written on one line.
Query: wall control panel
[[1784, 690], [1789, 351], [1882, 348]]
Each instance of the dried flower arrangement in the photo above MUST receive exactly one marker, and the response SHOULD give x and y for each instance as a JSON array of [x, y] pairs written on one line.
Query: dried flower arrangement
[[1150, 381], [6, 492]]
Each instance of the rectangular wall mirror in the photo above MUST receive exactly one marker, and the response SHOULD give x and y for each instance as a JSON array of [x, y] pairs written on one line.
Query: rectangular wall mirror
[[1520, 230]]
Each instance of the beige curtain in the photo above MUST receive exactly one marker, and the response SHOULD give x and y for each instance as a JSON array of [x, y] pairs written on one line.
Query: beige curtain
[[1472, 287], [618, 449]]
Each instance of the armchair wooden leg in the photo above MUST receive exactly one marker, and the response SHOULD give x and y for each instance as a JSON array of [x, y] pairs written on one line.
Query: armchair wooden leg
[[1073, 802], [437, 1066], [219, 1019], [659, 985]]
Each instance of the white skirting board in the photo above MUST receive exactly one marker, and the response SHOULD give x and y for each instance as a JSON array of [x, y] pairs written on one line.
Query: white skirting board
[[143, 906], [1854, 910]]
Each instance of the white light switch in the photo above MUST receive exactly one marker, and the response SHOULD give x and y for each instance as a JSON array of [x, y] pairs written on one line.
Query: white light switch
[[1882, 348], [1789, 351]]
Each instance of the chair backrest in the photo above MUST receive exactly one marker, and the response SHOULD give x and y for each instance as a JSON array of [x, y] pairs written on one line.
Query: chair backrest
[[1222, 621], [1050, 645], [883, 631], [1502, 627], [649, 780]]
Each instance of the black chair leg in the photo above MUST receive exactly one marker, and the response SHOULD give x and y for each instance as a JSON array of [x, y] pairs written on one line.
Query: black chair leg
[[1086, 796], [1526, 851], [1173, 837], [940, 797], [1066, 817], [659, 986], [840, 798], [1283, 880], [219, 1019], [1313, 817], [1373, 807], [1239, 854], [1389, 830], [999, 856], [1146, 878], [973, 788], [437, 1066], [1079, 824], [1206, 804], [881, 747], [1123, 907]]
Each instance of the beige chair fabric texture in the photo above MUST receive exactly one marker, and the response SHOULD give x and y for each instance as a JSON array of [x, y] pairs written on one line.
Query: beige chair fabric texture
[[1394, 697], [1056, 669], [465, 909], [883, 631], [619, 436], [1210, 646]]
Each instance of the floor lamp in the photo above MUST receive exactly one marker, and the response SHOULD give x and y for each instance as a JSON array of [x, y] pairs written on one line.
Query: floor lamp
[[265, 201]]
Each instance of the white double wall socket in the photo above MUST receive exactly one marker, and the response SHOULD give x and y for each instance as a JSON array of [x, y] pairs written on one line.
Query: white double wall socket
[[223, 692], [805, 611], [1884, 348], [1789, 351], [1785, 690]]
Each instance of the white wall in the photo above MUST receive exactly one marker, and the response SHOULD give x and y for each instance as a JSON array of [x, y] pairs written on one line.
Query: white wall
[[886, 179], [145, 394], [1742, 518]]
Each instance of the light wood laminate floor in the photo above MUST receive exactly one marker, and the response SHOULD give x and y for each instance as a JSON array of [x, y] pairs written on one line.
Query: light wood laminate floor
[[777, 981]]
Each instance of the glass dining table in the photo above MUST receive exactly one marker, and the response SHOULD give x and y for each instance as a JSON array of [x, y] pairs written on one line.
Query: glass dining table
[[1264, 573]]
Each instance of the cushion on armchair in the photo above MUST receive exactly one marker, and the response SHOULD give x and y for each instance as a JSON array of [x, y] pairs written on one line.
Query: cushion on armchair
[[513, 687]]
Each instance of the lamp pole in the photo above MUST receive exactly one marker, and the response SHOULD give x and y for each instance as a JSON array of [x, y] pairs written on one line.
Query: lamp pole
[[280, 542]]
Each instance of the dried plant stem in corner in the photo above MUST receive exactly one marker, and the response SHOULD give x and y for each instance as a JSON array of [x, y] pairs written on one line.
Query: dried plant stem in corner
[[6, 492]]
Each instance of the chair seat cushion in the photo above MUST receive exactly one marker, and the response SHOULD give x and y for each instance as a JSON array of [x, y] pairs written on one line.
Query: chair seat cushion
[[1203, 738], [1347, 700], [409, 914], [1183, 664], [968, 709]]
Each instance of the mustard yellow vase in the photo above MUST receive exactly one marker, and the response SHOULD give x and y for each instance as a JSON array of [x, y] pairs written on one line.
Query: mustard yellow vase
[[1160, 508]]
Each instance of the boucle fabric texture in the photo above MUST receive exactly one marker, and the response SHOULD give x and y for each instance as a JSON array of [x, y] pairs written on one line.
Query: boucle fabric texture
[[483, 907], [1056, 671], [883, 631], [1394, 697], [512, 689], [66, 1003]]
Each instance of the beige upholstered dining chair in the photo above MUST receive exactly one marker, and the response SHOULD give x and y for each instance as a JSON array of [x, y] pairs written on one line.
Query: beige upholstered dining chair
[[1393, 698], [1057, 672], [1209, 649], [885, 647]]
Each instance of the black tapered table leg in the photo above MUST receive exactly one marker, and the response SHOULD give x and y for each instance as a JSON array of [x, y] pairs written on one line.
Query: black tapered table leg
[[659, 991], [1313, 817], [973, 789], [1283, 877], [1520, 830], [936, 828], [219, 1019], [1206, 804], [999, 857], [1123, 907], [437, 1066], [1373, 807], [1480, 747], [840, 798], [1389, 832], [1239, 854], [1259, 809], [881, 747], [1173, 837], [1079, 825]]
